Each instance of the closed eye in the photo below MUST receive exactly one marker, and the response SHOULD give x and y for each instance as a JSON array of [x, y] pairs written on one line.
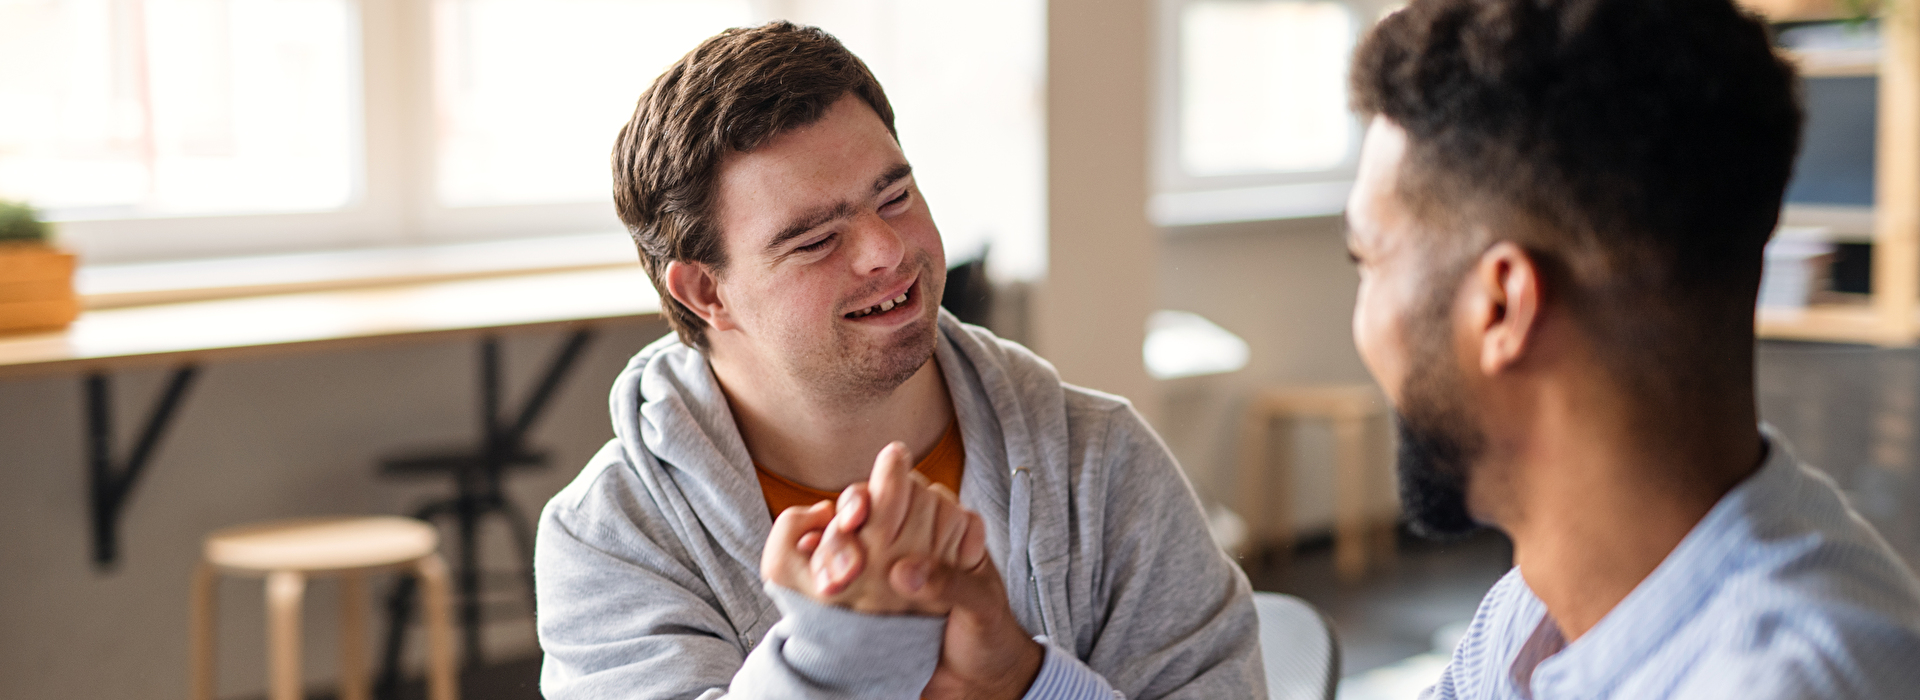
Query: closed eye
[[816, 245], [897, 204]]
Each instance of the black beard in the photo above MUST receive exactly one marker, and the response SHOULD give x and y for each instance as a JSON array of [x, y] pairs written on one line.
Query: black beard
[[1432, 466]]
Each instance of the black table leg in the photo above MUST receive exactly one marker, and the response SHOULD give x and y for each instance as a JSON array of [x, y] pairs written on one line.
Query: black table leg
[[110, 484], [478, 493]]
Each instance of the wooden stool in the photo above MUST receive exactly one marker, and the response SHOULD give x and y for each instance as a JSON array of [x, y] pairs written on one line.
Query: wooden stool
[[1350, 409], [287, 552]]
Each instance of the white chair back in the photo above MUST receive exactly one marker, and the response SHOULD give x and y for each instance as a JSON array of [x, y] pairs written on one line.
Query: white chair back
[[1298, 648]]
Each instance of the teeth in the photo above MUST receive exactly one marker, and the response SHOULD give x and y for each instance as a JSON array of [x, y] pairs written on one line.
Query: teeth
[[881, 307]]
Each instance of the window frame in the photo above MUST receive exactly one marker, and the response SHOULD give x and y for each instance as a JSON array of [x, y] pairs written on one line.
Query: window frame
[[1181, 199], [394, 200]]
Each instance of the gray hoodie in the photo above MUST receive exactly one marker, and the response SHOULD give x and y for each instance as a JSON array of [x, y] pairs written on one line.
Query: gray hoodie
[[647, 565]]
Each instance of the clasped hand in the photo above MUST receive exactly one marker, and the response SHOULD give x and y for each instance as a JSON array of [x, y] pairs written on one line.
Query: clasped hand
[[875, 550], [898, 544]]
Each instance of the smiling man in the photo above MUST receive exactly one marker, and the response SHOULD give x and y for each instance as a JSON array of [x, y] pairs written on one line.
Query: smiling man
[[801, 269], [1558, 222]]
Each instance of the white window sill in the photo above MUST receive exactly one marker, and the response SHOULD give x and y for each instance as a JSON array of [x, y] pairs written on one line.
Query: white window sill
[[136, 284], [1271, 202]]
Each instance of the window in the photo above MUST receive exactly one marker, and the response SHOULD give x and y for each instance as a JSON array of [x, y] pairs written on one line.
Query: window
[[172, 107], [167, 129], [967, 81], [1253, 119], [531, 92]]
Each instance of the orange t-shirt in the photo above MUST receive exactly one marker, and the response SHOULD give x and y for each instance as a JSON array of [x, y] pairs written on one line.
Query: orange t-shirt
[[941, 466]]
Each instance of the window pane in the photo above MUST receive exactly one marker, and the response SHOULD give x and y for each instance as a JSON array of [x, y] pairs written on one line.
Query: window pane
[[531, 92], [967, 82], [1263, 86], [116, 108]]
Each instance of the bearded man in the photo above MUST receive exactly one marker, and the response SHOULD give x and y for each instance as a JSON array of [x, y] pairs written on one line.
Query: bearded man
[[800, 267], [1558, 223]]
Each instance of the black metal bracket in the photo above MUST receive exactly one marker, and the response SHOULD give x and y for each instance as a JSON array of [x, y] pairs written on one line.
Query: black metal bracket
[[503, 439], [110, 485]]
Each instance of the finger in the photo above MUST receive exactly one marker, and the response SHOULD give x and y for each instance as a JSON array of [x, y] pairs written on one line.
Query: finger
[[974, 591], [852, 508], [911, 574], [836, 562], [836, 571], [809, 542], [949, 527], [916, 534], [890, 489], [780, 557], [850, 513], [973, 545]]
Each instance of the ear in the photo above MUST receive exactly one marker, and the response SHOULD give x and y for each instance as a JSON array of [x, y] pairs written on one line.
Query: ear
[[1505, 294], [695, 287]]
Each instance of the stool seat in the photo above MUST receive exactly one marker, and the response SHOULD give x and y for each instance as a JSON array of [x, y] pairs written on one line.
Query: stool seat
[[322, 544], [1350, 410], [290, 552]]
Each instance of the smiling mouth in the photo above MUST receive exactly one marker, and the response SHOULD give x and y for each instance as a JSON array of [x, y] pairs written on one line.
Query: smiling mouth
[[882, 307]]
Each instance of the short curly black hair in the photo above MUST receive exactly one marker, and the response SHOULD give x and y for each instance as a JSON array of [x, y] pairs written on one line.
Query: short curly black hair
[[1652, 139]]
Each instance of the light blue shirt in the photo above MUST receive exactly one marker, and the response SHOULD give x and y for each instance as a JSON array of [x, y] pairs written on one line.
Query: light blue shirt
[[1781, 591]]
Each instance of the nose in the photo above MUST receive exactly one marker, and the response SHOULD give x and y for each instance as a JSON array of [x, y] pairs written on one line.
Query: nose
[[877, 247]]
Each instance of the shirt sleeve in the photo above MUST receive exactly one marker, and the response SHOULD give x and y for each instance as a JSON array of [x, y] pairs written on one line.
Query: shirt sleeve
[[1063, 677]]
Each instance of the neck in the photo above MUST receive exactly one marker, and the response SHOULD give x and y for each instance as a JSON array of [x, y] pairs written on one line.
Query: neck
[[830, 442], [1596, 487]]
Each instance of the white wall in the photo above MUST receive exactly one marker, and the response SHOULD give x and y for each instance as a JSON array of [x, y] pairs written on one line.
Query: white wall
[[255, 439]]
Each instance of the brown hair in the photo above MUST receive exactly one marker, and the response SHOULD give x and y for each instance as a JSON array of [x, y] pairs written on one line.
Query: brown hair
[[733, 92]]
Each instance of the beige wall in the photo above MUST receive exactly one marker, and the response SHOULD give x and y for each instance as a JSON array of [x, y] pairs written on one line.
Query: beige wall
[[256, 439], [1287, 288], [1091, 310]]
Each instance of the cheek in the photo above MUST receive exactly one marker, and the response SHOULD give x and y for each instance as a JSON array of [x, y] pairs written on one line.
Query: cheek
[[1377, 336], [783, 300], [919, 229]]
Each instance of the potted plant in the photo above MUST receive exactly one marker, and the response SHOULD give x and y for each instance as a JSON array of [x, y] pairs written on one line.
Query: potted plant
[[36, 279]]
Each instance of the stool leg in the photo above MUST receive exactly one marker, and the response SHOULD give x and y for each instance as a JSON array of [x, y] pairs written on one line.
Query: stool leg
[[1253, 476], [200, 633], [285, 589], [442, 678], [1350, 499], [353, 636]]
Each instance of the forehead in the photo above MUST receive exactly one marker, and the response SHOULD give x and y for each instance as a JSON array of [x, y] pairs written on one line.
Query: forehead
[[833, 160], [1374, 208]]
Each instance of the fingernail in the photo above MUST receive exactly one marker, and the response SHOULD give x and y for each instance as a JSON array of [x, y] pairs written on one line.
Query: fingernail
[[842, 563], [821, 580]]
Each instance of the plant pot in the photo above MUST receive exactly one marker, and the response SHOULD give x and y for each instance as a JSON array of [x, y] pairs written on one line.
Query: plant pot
[[36, 288]]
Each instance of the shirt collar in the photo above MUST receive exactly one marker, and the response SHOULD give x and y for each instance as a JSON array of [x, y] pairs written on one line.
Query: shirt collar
[[1675, 591]]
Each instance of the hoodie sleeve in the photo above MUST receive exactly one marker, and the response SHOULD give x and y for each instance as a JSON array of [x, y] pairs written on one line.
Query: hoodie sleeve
[[1176, 615], [622, 613]]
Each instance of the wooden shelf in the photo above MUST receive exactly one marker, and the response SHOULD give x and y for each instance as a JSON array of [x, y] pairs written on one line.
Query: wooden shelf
[[1827, 323], [1835, 63], [1796, 10]]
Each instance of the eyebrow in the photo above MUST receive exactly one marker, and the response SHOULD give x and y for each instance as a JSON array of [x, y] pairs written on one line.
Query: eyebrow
[[821, 216]]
